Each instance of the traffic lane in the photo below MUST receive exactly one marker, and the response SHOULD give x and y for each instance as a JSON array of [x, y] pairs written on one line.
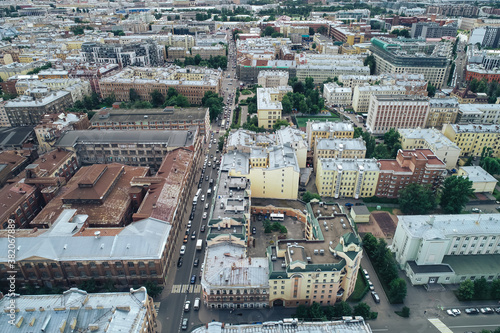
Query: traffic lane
[[465, 322]]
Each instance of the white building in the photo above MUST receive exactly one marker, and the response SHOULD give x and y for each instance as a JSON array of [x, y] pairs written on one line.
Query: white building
[[336, 95], [361, 95], [448, 249], [270, 79], [431, 138], [481, 113], [481, 180]]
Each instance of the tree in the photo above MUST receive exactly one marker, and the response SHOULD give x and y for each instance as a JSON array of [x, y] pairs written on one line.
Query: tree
[[397, 290], [157, 98], [118, 32], [370, 244], [495, 289], [466, 290], [286, 104], [405, 312], [416, 199], [481, 288], [391, 137], [381, 152], [455, 194], [298, 87], [133, 95], [309, 83], [152, 288], [342, 309], [490, 165], [357, 132], [268, 31], [370, 61], [313, 46], [316, 313], [182, 101], [280, 122], [322, 30], [311, 31], [431, 90], [370, 144], [308, 196], [361, 309]]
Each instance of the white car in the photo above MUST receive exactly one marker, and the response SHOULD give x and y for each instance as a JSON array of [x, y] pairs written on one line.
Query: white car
[[202, 197], [205, 215], [450, 313], [457, 312], [183, 249]]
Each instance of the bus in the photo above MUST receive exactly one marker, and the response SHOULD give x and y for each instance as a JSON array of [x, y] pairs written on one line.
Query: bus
[[223, 123], [277, 217]]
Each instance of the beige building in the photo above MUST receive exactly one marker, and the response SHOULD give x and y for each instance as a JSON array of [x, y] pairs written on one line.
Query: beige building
[[339, 148], [442, 111], [433, 139], [361, 95], [336, 95], [206, 52], [389, 111], [325, 129], [273, 172], [352, 81], [481, 180], [347, 178], [269, 105], [296, 139], [17, 68], [51, 127], [472, 138], [177, 52], [272, 79]]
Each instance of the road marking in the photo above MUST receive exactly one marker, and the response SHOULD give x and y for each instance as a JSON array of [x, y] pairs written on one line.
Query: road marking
[[474, 326], [186, 288], [440, 325]]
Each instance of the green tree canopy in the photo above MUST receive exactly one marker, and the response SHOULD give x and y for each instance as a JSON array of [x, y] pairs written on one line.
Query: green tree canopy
[[416, 199], [157, 98], [466, 290], [133, 95], [279, 123], [455, 194], [361, 309], [397, 290], [308, 196]]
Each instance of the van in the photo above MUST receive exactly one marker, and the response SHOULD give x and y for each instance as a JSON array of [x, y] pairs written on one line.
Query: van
[[375, 296], [196, 305]]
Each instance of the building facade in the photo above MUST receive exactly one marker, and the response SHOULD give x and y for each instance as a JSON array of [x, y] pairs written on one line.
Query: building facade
[[269, 105], [339, 148], [471, 139], [336, 95], [272, 79], [325, 129], [361, 95], [143, 54], [442, 111]]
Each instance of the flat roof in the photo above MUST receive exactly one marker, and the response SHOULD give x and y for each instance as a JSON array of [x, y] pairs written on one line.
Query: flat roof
[[432, 136], [487, 264], [426, 269], [477, 174], [150, 115], [14, 136]]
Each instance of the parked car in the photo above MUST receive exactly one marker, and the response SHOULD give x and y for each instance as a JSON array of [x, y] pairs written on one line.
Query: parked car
[[486, 310], [348, 205], [471, 311], [191, 217], [457, 312], [185, 239], [202, 228], [183, 249], [189, 224], [372, 287], [475, 210], [184, 323], [193, 279], [187, 306], [179, 262], [375, 296], [450, 313], [196, 262], [365, 272], [254, 231]]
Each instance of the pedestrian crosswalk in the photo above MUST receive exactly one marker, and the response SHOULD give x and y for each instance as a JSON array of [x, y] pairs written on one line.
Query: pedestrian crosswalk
[[186, 288], [440, 325]]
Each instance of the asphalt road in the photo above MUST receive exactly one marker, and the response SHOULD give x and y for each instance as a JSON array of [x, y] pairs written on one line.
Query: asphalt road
[[460, 65]]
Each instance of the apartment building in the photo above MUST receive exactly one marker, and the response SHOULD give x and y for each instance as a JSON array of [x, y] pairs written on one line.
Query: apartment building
[[339, 148], [93, 73], [411, 166], [326, 129], [206, 52], [481, 180], [321, 73], [168, 118], [17, 68], [12, 162], [272, 79], [273, 172], [52, 73], [191, 82], [177, 53], [28, 111], [336, 95], [4, 119], [51, 126], [143, 148], [134, 310], [433, 30], [478, 114], [459, 242], [388, 111], [471, 139], [433, 139], [347, 178], [346, 36], [20, 203], [321, 268], [351, 81], [361, 95], [414, 56], [479, 73], [296, 139], [144, 53], [269, 105], [442, 111]]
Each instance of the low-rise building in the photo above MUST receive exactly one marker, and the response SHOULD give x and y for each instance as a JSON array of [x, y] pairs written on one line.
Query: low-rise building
[[443, 248], [361, 95], [321, 73], [336, 95], [20, 204], [28, 111], [481, 180], [272, 79], [12, 162], [389, 111], [52, 125], [471, 139], [113, 311], [431, 138], [346, 178], [206, 52], [442, 111], [269, 105], [326, 129], [12, 138], [339, 148], [273, 172], [419, 166]]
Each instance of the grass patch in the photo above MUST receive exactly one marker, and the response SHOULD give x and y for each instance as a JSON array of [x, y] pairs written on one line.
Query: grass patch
[[246, 92], [360, 289], [301, 121], [385, 209]]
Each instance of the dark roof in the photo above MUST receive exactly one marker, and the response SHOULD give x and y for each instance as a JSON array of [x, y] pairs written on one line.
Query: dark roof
[[424, 269], [11, 137]]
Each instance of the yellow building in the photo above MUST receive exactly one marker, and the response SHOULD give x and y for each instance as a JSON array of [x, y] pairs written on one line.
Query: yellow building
[[269, 105], [339, 148], [326, 129], [351, 178], [442, 111], [273, 172], [74, 44], [322, 268], [481, 180], [472, 138]]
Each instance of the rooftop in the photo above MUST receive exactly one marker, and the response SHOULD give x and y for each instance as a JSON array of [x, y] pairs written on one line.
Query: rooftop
[[477, 174], [170, 138], [169, 114], [79, 311], [431, 227], [328, 126], [28, 101], [99, 191], [14, 136], [470, 128], [433, 137], [232, 193], [341, 143], [346, 164], [12, 196]]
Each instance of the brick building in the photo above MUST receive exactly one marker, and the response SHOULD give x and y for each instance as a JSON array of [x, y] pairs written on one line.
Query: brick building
[[12, 162], [52, 125], [20, 203], [411, 166]]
